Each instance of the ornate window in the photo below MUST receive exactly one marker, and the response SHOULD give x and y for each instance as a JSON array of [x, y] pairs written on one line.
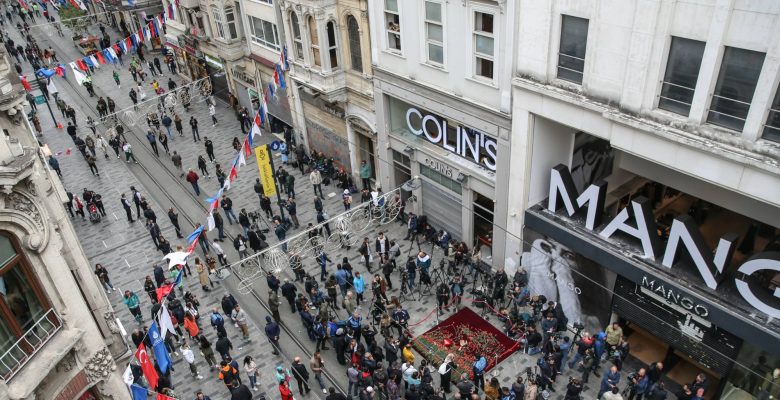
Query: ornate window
[[219, 23], [333, 51], [297, 40], [355, 54], [315, 41], [26, 318]]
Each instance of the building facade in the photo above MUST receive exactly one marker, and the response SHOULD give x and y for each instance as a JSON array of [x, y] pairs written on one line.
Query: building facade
[[331, 79], [646, 179], [442, 91], [59, 336]]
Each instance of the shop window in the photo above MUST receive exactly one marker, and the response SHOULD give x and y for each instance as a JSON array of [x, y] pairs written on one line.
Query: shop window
[[219, 23], [25, 312], [315, 41], [367, 152], [682, 72], [355, 52], [230, 17], [772, 127], [484, 45], [483, 220], [571, 54], [333, 51], [734, 90], [297, 40], [753, 375], [434, 32], [393, 25], [264, 33]]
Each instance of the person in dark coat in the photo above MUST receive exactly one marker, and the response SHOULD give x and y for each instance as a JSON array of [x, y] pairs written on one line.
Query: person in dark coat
[[301, 375], [159, 275], [223, 346], [240, 392]]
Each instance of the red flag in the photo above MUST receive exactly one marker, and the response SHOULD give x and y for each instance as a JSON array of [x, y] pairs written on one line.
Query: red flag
[[161, 396], [164, 291], [141, 35], [25, 83], [233, 173], [151, 29], [82, 65], [146, 365], [129, 43], [117, 49], [191, 248], [100, 58], [247, 148]]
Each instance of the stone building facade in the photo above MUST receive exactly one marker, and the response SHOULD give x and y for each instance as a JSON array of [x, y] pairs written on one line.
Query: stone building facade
[[59, 338]]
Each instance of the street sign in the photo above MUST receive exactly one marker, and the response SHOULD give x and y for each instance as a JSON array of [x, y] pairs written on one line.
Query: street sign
[[40, 99], [275, 145], [266, 172]]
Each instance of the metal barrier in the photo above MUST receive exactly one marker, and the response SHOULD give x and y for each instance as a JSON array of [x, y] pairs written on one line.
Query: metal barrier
[[18, 354]]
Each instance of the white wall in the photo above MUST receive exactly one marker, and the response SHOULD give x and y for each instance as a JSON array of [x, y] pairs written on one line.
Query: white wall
[[456, 77]]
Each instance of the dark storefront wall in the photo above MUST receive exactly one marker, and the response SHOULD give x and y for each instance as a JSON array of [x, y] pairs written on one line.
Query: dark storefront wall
[[442, 208], [323, 138]]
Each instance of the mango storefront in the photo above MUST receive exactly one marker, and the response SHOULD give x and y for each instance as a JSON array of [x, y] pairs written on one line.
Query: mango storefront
[[460, 157]]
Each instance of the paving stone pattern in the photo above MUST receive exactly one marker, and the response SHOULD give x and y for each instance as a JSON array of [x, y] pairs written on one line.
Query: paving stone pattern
[[128, 252]]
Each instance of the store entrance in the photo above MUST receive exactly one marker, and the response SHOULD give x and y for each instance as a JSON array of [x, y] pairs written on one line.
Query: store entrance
[[680, 368]]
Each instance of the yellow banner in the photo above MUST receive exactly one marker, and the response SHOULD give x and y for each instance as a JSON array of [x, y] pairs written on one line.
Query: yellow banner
[[266, 173]]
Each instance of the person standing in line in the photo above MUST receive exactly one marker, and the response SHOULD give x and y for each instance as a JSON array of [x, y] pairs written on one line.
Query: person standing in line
[[192, 178], [213, 113], [301, 376], [194, 126], [209, 148]]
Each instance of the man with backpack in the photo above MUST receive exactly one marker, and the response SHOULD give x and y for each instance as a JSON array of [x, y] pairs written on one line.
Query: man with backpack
[[227, 374]]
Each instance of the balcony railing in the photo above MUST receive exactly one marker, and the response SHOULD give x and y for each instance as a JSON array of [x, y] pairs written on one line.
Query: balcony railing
[[21, 352]]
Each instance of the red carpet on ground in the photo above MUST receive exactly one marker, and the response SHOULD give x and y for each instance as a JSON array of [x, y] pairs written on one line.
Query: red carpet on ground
[[470, 336]]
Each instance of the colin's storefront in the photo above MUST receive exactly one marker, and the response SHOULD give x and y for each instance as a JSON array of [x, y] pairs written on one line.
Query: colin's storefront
[[461, 161], [694, 285]]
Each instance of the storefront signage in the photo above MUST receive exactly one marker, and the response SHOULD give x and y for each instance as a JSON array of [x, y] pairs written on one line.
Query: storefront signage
[[439, 167], [241, 75], [673, 297], [640, 224], [469, 142]]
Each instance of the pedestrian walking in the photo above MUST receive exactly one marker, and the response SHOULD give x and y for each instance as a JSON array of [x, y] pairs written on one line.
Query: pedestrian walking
[[213, 113], [223, 346], [116, 79], [128, 149], [102, 275], [176, 159], [115, 145], [203, 166], [55, 165], [316, 364], [152, 142], [194, 126], [92, 165], [208, 352], [167, 122], [272, 331], [134, 305], [203, 275], [178, 124], [251, 370], [189, 357], [239, 317], [301, 376], [174, 217], [163, 141], [315, 178]]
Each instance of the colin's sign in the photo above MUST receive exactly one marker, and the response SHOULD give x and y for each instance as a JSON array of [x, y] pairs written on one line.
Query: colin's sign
[[468, 143], [683, 234]]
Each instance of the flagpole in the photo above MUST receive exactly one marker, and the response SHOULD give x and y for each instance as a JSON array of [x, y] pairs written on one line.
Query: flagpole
[[46, 98], [279, 189]]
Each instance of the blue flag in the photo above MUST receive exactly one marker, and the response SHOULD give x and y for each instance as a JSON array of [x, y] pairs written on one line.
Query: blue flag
[[139, 393], [195, 234], [45, 72], [160, 352]]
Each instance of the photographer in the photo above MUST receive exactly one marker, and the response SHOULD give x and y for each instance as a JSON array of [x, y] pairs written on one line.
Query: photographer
[[537, 302], [638, 384], [500, 280], [411, 274], [532, 341], [573, 389], [442, 297]]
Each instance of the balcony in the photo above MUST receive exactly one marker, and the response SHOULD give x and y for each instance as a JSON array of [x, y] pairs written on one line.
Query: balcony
[[20, 353], [329, 86], [189, 3]]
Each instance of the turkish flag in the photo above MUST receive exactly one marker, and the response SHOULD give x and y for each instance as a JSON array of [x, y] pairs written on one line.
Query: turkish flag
[[147, 366], [163, 291], [161, 396]]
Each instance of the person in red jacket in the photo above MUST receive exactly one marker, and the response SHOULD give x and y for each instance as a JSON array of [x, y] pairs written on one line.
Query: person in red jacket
[[192, 178], [285, 391]]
